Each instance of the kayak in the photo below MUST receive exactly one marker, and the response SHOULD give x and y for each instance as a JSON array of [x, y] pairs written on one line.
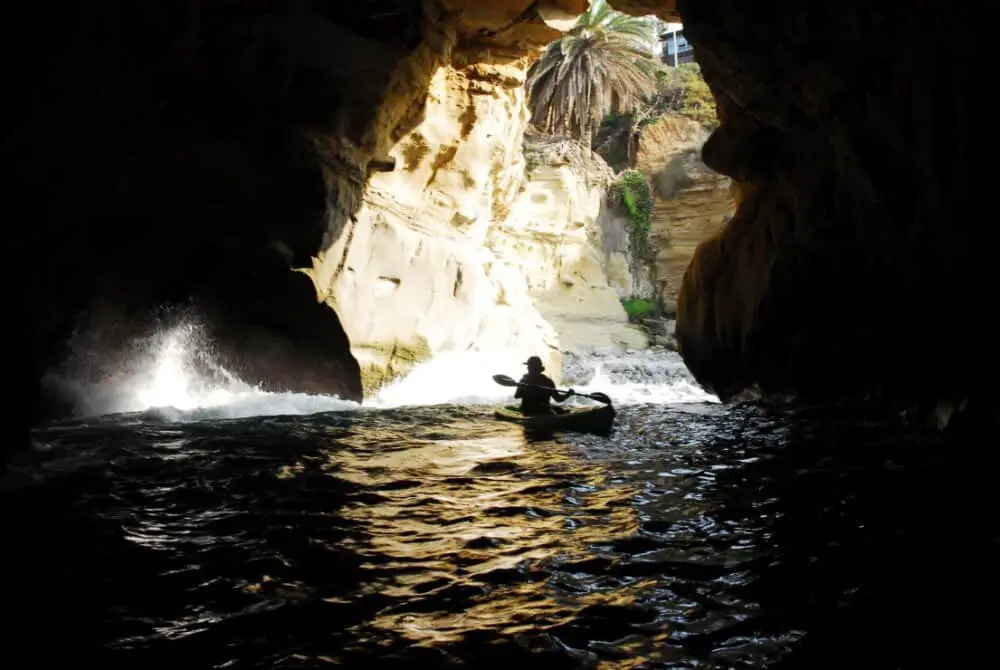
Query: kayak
[[577, 420]]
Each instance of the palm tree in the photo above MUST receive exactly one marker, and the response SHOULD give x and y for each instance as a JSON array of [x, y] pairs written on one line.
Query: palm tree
[[602, 65]]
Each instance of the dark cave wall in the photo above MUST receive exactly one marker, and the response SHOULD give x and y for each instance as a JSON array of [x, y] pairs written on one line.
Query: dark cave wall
[[860, 263], [153, 153], [184, 156]]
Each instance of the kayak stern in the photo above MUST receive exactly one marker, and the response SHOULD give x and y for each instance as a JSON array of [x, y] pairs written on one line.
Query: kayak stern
[[597, 420]]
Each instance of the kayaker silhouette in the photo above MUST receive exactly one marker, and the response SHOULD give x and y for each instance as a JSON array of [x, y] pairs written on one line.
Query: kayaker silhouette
[[536, 400]]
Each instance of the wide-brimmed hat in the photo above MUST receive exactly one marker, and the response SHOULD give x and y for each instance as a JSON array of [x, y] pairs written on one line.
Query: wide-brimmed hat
[[535, 360]]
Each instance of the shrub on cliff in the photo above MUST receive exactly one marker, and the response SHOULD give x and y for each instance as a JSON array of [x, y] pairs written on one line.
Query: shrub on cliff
[[602, 65], [681, 90], [639, 308], [635, 198]]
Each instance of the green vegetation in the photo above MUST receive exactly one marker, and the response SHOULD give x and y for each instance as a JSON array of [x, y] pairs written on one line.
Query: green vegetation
[[639, 308], [603, 65], [683, 90], [680, 90], [635, 197]]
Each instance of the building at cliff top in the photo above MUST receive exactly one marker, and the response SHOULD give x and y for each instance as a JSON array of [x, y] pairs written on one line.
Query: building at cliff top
[[676, 49]]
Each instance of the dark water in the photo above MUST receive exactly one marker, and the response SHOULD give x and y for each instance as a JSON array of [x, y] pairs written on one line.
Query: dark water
[[698, 537]]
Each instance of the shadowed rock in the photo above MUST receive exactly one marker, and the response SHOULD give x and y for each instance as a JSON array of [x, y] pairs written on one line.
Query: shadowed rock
[[165, 154], [860, 262]]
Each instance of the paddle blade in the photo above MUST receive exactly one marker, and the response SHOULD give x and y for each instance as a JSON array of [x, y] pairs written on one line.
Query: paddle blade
[[600, 397], [504, 380]]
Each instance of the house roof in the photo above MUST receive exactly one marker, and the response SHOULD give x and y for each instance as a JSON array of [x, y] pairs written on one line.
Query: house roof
[[671, 29]]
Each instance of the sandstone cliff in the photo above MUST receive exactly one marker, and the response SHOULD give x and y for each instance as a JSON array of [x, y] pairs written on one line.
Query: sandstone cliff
[[554, 236], [410, 275], [159, 154], [459, 248], [691, 201]]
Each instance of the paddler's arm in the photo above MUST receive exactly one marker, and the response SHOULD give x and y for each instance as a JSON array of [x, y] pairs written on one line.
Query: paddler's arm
[[560, 396], [520, 389], [554, 393]]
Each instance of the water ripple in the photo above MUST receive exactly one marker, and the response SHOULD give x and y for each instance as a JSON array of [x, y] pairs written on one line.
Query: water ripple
[[695, 537]]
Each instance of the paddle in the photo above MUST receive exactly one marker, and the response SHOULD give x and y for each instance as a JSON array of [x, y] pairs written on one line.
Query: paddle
[[504, 380]]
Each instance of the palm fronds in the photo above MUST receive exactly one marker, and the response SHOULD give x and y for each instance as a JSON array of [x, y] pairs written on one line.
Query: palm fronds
[[602, 65]]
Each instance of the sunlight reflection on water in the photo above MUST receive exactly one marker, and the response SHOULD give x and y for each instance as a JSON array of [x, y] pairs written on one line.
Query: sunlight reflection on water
[[722, 537]]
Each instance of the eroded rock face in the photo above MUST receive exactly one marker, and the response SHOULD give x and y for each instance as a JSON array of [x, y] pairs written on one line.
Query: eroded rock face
[[187, 156], [171, 153], [659, 142], [411, 276], [460, 248], [862, 214], [554, 235], [691, 202]]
